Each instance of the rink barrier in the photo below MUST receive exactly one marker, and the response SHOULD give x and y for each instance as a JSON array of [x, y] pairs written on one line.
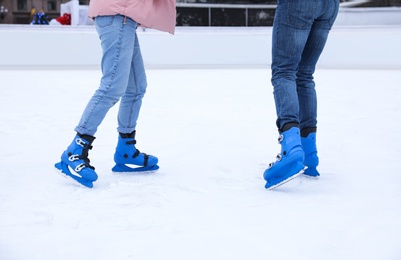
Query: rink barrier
[[348, 47]]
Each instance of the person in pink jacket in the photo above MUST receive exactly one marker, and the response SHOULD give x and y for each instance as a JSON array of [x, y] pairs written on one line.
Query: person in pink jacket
[[123, 79]]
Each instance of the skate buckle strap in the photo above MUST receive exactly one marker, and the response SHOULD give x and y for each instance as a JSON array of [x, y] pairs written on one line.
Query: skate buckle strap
[[80, 142], [79, 167], [270, 165], [74, 157], [278, 158], [131, 142], [82, 166], [145, 159], [137, 152]]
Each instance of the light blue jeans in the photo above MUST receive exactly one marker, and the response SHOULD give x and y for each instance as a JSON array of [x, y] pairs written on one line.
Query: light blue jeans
[[300, 31], [123, 77]]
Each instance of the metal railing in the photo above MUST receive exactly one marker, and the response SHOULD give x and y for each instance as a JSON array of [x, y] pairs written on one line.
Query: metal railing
[[210, 7]]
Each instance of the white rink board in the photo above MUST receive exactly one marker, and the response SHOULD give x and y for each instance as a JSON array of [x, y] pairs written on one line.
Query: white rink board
[[356, 47]]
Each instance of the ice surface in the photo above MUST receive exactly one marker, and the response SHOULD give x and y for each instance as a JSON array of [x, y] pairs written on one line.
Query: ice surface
[[214, 133]]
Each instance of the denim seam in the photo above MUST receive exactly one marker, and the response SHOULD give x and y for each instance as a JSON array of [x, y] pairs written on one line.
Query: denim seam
[[333, 18], [136, 90], [136, 86]]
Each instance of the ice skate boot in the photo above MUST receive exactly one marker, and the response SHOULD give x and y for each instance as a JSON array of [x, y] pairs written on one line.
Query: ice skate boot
[[289, 163], [75, 162], [130, 159], [310, 151]]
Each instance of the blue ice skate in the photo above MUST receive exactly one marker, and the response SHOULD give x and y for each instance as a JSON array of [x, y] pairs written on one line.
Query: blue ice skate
[[130, 159], [289, 163], [311, 158], [75, 162]]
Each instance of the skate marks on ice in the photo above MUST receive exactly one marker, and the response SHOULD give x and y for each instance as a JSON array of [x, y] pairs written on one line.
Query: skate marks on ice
[[288, 184], [128, 216], [119, 202], [234, 180]]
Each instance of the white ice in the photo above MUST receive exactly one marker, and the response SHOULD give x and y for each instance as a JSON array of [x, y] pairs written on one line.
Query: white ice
[[214, 133]]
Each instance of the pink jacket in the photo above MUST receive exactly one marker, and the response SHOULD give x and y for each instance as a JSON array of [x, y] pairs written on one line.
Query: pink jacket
[[156, 14]]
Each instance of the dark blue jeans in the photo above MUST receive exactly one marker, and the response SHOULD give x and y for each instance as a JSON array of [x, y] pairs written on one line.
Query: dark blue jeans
[[300, 31]]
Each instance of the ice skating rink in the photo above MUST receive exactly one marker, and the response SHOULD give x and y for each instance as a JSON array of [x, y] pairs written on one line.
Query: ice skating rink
[[214, 133]]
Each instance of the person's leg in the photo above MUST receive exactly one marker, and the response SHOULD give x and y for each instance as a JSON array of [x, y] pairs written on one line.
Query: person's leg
[[117, 35], [131, 101], [304, 78], [117, 41], [130, 105], [325, 16], [291, 28], [307, 98]]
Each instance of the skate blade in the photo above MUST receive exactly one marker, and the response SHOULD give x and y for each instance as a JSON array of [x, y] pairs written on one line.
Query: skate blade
[[311, 177], [125, 168], [285, 180], [311, 173], [64, 171]]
